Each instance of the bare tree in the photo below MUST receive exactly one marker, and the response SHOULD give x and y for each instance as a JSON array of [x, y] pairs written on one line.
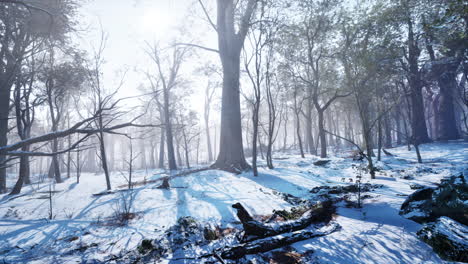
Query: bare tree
[[173, 58]]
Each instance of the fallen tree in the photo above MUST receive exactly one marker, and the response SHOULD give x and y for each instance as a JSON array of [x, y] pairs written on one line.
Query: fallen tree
[[321, 212], [278, 241]]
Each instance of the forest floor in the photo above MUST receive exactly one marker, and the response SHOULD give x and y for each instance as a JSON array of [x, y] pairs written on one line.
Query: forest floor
[[84, 229]]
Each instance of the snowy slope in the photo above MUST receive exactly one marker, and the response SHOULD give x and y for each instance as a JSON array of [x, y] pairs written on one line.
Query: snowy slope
[[82, 232]]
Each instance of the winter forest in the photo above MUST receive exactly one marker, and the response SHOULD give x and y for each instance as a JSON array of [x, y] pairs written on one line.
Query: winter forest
[[233, 131]]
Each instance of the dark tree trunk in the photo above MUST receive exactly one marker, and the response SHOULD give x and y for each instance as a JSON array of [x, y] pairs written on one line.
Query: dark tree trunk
[[309, 135], [169, 136], [231, 155], [398, 127], [447, 125], [322, 135], [161, 150], [5, 88], [105, 167], [54, 169], [24, 171], [177, 150], [418, 119], [388, 132]]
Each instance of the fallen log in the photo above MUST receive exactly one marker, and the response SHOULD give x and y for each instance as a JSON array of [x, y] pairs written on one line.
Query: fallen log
[[166, 178], [278, 241], [322, 212], [388, 153]]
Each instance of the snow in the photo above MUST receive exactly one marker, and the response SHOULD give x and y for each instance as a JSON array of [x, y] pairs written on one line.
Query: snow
[[82, 231]]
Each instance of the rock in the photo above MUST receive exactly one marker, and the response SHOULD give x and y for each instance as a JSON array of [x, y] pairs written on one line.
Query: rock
[[211, 233], [145, 246], [415, 186], [302, 164], [321, 162], [449, 199], [448, 238], [417, 206], [407, 177]]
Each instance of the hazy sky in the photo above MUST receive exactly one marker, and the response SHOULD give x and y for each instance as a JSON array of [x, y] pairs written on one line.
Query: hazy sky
[[129, 24]]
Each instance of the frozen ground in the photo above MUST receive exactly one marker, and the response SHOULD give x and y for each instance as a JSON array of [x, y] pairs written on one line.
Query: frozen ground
[[81, 231]]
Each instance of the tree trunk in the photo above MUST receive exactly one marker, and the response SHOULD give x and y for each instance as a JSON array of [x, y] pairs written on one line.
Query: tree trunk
[[388, 132], [179, 157], [104, 159], [4, 112], [54, 169], [298, 133], [23, 175], [322, 136], [310, 137], [161, 150], [418, 120], [379, 139], [207, 131], [169, 137], [231, 155], [255, 137], [447, 125]]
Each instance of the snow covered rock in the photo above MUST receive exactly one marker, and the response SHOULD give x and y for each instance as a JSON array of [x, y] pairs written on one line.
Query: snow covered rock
[[321, 162], [449, 199], [418, 206], [448, 238]]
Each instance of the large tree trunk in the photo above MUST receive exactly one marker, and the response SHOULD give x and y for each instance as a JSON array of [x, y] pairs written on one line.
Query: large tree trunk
[[169, 137], [231, 155], [418, 119], [5, 88], [23, 175], [447, 125]]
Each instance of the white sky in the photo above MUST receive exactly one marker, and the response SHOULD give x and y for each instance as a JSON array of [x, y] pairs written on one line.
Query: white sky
[[129, 24]]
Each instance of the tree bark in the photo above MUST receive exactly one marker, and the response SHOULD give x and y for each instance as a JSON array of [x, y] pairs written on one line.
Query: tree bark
[[418, 119], [321, 212], [161, 149], [270, 243], [309, 135], [169, 137], [231, 155], [322, 135], [447, 125]]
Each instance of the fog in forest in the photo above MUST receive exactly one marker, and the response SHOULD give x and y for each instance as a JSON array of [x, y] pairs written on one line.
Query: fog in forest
[[233, 131]]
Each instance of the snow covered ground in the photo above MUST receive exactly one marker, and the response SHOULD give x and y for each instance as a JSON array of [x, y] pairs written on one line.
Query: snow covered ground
[[82, 231]]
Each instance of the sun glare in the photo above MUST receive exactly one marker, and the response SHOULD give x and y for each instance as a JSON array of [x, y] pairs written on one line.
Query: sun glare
[[155, 21]]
